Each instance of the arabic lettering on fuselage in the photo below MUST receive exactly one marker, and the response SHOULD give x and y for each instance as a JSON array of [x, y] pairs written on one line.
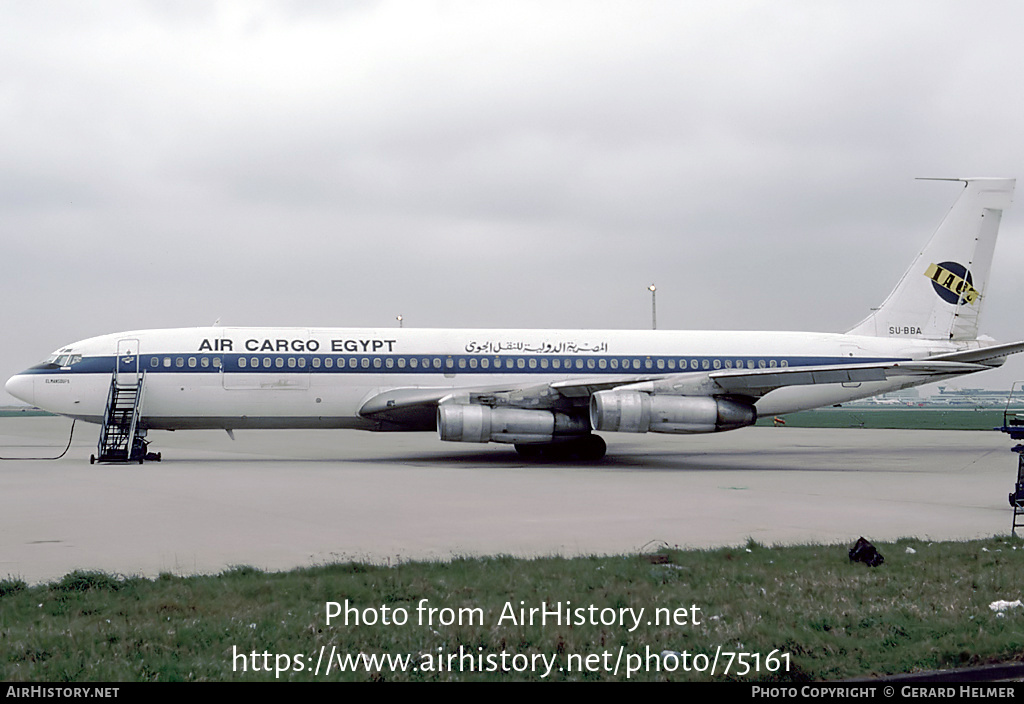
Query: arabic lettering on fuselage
[[535, 348]]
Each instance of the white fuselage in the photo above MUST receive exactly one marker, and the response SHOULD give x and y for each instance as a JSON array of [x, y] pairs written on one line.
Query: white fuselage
[[237, 378]]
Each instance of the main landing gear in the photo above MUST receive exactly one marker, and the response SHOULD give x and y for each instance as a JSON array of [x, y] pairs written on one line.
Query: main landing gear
[[586, 448]]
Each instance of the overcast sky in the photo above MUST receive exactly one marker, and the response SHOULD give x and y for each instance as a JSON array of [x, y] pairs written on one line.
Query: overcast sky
[[492, 164]]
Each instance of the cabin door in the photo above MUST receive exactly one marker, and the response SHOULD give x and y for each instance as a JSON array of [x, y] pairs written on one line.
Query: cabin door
[[126, 369]]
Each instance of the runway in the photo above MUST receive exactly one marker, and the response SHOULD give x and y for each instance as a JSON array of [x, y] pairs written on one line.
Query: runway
[[283, 499]]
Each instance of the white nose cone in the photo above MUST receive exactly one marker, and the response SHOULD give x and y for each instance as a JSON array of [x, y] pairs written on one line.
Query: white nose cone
[[21, 387]]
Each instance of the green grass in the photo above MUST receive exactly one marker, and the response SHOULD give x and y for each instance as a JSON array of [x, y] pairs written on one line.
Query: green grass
[[22, 412], [918, 611]]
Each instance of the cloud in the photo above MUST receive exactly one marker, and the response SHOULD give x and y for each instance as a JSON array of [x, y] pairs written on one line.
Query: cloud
[[468, 163]]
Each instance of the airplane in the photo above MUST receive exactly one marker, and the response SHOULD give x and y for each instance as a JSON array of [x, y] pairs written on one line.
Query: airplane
[[546, 392]]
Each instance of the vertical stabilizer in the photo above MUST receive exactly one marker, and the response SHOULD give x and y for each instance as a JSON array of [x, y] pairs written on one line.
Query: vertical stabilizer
[[941, 295]]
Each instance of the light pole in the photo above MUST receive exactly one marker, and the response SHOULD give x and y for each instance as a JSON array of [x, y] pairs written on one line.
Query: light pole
[[654, 314]]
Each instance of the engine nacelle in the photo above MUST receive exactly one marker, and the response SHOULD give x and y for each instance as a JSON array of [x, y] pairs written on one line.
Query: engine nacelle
[[474, 423], [635, 412]]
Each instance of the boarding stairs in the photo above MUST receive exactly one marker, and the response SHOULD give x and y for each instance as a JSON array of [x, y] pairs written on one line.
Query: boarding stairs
[[1013, 425], [122, 437]]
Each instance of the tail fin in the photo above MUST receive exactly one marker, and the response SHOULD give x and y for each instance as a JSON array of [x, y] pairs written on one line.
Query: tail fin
[[941, 294]]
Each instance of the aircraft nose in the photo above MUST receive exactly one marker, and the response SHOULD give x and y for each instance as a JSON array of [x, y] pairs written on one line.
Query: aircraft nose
[[21, 386]]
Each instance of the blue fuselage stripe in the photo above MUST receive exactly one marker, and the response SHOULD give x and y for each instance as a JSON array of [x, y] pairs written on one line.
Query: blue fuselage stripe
[[256, 363]]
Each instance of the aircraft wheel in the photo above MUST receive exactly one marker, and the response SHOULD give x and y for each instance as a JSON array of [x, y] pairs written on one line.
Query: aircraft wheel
[[592, 448], [529, 451], [92, 459], [587, 448]]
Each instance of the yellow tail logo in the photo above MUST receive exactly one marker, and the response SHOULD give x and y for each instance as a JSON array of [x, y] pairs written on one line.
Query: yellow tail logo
[[953, 283]]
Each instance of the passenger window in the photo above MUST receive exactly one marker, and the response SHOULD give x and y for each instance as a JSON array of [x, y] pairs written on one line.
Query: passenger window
[[590, 363], [154, 362], [279, 362], [485, 363], [216, 362], [192, 362], [473, 363], [254, 362], [291, 362], [602, 363], [179, 362], [302, 362], [521, 363], [365, 362], [556, 363], [204, 362], [647, 363], [329, 362], [437, 362], [579, 364], [316, 362], [413, 362], [401, 362], [661, 364], [533, 364], [636, 364], [376, 362]]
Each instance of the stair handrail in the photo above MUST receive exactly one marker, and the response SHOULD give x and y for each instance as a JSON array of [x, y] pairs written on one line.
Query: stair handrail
[[106, 417], [136, 411]]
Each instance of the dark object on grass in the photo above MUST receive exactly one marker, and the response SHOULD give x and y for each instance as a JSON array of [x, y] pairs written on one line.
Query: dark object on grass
[[865, 552]]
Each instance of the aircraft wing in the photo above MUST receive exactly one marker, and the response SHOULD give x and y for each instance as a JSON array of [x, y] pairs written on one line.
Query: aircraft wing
[[416, 407], [758, 382]]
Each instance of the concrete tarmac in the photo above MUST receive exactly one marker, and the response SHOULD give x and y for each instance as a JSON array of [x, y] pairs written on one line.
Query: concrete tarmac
[[283, 499]]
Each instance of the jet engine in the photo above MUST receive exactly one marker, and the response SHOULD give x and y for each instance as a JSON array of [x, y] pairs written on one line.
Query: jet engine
[[476, 423], [636, 412]]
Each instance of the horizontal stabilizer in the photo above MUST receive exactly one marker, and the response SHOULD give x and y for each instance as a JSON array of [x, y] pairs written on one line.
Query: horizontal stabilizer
[[992, 356]]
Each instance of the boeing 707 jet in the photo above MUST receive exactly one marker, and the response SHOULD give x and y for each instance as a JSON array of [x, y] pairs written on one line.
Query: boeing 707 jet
[[547, 392]]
